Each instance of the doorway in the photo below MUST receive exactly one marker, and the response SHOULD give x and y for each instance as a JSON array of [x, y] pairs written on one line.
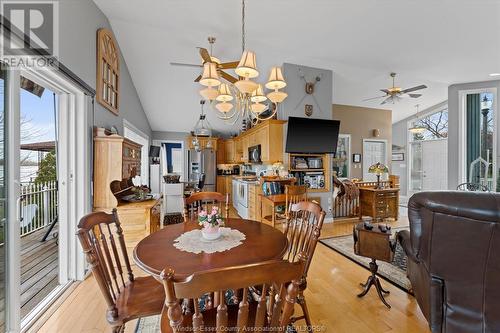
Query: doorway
[[428, 165], [374, 151]]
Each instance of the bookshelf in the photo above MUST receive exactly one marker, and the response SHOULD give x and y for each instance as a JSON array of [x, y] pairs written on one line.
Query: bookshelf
[[312, 170]]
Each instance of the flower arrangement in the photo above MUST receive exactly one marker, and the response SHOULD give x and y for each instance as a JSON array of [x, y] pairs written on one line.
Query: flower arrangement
[[210, 223]]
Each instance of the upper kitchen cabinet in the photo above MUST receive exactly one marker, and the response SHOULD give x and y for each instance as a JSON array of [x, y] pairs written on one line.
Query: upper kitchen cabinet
[[269, 135], [230, 151]]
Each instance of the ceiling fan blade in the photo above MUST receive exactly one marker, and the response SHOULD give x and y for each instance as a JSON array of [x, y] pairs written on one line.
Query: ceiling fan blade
[[385, 91], [369, 99], [228, 77], [197, 79], [227, 65], [387, 100], [205, 55], [423, 86], [414, 95], [184, 65]]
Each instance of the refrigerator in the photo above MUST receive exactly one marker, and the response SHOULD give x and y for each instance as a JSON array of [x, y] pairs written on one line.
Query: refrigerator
[[203, 161]]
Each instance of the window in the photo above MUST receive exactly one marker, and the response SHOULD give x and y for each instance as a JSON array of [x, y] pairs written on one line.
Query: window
[[108, 71], [435, 124]]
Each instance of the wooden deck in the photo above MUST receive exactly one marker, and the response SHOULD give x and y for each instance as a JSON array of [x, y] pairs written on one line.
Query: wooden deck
[[39, 271]]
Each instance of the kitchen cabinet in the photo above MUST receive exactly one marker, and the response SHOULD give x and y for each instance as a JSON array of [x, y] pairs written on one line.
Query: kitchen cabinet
[[244, 147], [230, 150], [254, 192], [238, 156], [221, 152], [224, 186]]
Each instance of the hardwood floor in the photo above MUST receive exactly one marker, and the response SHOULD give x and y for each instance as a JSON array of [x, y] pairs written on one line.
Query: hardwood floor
[[333, 283]]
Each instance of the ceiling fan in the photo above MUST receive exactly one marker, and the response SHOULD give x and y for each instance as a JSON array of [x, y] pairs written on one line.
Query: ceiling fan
[[208, 57], [395, 94]]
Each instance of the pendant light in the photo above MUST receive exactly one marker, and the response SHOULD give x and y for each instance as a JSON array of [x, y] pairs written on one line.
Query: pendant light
[[202, 127], [416, 128]]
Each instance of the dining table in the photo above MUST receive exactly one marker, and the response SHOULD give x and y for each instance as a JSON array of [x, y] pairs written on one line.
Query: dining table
[[157, 252]]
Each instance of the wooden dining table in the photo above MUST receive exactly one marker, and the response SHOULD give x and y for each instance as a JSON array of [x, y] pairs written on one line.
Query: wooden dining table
[[156, 252]]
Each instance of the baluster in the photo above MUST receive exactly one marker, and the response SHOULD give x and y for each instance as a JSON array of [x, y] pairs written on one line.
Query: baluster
[[121, 240], [102, 264], [109, 260], [115, 253], [276, 311], [260, 316], [197, 317], [221, 319], [243, 311]]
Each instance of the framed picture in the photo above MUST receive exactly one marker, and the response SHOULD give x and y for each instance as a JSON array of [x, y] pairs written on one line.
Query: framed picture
[[398, 156], [356, 158], [341, 164]]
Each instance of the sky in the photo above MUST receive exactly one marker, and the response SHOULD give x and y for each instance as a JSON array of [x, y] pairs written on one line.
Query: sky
[[39, 113]]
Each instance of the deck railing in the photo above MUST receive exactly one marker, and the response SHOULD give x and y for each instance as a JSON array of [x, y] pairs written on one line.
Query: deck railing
[[38, 206]]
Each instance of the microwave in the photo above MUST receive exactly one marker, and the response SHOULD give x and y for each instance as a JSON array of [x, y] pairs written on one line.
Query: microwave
[[254, 154]]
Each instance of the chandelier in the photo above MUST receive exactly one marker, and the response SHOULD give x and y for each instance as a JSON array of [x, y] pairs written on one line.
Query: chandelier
[[244, 98]]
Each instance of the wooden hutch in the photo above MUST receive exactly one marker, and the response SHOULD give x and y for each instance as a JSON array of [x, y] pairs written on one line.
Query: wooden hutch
[[117, 158]]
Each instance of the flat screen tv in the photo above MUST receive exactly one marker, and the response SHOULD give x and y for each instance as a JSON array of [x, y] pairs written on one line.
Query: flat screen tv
[[154, 151], [314, 136]]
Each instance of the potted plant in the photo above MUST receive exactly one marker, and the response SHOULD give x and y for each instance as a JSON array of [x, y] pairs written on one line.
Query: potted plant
[[211, 223]]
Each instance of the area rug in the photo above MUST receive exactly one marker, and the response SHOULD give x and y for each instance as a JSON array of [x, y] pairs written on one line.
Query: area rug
[[394, 272]]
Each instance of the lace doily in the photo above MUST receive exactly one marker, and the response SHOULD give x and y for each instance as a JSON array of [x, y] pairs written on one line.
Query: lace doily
[[192, 241]]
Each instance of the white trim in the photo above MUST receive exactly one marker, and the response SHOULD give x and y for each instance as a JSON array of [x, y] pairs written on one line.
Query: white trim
[[13, 237], [462, 131]]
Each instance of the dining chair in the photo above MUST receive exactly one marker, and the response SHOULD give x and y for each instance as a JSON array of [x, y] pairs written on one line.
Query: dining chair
[[273, 313], [302, 229], [293, 195], [205, 200], [127, 297]]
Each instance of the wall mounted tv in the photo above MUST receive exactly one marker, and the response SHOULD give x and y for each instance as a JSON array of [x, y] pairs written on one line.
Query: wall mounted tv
[[313, 136]]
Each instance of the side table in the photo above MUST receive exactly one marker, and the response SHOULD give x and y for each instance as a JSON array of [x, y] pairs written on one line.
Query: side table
[[376, 245]]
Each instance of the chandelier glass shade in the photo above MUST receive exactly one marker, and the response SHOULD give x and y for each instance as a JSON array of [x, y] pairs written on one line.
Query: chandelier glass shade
[[224, 107], [246, 86], [258, 108], [277, 96], [210, 77], [247, 67], [209, 93], [276, 79], [224, 93]]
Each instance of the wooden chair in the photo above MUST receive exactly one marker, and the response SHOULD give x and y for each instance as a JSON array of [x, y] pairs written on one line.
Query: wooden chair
[[280, 278], [293, 195], [127, 297], [205, 200], [302, 229]]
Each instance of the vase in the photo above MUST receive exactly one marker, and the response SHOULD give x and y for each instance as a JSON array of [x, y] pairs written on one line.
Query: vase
[[210, 232]]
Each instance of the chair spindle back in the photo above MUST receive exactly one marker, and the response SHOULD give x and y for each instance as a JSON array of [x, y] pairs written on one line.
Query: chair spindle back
[[205, 200]]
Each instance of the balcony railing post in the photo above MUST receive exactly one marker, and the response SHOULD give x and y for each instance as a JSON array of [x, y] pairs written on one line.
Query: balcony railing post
[[46, 206]]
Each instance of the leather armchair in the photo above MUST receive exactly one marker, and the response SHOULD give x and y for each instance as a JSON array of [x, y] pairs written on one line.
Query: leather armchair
[[453, 250]]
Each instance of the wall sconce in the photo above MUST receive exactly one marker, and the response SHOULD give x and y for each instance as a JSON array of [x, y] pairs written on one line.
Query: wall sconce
[[376, 133]]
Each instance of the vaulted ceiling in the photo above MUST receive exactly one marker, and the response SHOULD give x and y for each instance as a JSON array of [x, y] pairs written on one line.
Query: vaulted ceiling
[[432, 42]]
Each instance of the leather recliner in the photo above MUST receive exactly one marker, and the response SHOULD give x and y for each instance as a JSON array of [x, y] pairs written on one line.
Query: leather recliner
[[453, 250]]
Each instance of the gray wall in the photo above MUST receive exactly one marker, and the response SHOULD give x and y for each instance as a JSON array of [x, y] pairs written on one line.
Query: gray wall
[[400, 138], [291, 107], [453, 121], [79, 22]]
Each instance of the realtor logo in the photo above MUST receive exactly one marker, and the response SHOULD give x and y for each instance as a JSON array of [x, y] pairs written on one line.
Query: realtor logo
[[31, 29]]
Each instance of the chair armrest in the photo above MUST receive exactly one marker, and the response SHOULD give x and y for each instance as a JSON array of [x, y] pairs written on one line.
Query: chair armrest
[[403, 237]]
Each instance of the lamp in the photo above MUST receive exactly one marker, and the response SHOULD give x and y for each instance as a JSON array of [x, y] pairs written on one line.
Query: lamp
[[378, 169], [258, 107], [276, 79], [277, 96], [247, 67], [417, 128], [224, 93], [210, 77], [224, 107], [209, 93], [258, 95]]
